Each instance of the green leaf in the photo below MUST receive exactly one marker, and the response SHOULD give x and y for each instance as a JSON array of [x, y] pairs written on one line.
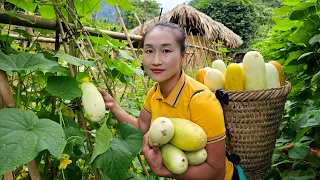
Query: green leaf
[[24, 33], [290, 2], [25, 61], [134, 112], [63, 86], [298, 15], [125, 55], [282, 162], [302, 120], [305, 55], [132, 137], [74, 60], [102, 141], [58, 69], [124, 4], [47, 11], [27, 5], [301, 133], [314, 39], [124, 68], [115, 163], [86, 7], [292, 56], [23, 136], [298, 152]]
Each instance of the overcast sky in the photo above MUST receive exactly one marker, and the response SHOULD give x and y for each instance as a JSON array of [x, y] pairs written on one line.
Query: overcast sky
[[170, 4]]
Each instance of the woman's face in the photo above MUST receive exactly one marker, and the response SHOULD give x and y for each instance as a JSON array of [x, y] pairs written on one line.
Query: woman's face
[[162, 57]]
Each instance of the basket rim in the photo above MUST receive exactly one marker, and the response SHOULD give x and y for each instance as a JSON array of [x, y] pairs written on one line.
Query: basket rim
[[265, 94]]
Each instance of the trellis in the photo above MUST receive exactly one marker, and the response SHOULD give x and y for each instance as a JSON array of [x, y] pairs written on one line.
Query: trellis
[[63, 29]]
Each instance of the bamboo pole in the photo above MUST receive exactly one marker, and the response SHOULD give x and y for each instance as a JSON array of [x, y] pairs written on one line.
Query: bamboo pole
[[130, 44], [75, 40], [38, 22], [94, 54]]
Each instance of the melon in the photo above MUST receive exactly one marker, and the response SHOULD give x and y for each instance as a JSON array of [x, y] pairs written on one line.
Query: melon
[[213, 79], [219, 65], [174, 159], [188, 136], [92, 102], [161, 131], [280, 71], [272, 76], [233, 78], [196, 157], [254, 71], [200, 75]]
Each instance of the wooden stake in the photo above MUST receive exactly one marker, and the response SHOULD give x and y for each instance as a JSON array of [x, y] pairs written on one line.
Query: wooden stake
[[8, 176], [130, 44], [33, 170], [5, 90]]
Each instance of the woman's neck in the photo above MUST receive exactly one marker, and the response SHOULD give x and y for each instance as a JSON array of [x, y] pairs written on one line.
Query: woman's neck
[[168, 85]]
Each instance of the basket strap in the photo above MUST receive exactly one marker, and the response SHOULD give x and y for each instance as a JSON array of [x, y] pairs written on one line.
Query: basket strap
[[221, 95]]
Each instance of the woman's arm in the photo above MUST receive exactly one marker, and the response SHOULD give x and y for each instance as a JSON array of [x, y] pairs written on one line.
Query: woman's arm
[[143, 122], [212, 168]]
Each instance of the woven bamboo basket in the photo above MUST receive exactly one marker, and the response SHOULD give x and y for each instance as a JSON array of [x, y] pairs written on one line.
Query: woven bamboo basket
[[252, 122]]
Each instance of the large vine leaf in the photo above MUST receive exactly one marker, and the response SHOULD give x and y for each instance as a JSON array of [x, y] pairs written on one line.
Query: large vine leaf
[[27, 5], [131, 136], [114, 163], [124, 4], [74, 60], [23, 136], [65, 87], [47, 11], [102, 141], [86, 7], [25, 61]]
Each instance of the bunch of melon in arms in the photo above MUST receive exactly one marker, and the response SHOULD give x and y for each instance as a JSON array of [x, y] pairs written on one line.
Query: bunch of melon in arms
[[252, 74], [181, 143]]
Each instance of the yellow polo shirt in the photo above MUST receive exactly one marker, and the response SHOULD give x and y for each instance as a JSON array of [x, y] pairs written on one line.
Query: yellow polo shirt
[[203, 109]]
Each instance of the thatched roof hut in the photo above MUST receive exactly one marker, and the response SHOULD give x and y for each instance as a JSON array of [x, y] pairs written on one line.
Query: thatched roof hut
[[197, 23], [204, 34]]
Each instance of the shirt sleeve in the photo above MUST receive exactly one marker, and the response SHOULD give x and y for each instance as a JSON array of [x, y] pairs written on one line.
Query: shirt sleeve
[[206, 111], [147, 101]]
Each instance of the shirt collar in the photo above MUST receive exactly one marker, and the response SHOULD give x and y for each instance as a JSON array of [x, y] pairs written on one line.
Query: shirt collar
[[175, 94]]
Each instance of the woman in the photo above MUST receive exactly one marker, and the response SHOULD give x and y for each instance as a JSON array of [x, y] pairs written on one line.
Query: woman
[[176, 95]]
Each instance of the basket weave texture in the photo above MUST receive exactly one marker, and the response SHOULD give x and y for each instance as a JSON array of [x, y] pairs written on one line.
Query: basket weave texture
[[252, 120]]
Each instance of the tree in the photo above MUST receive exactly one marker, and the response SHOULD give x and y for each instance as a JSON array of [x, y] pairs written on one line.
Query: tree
[[241, 16], [153, 10]]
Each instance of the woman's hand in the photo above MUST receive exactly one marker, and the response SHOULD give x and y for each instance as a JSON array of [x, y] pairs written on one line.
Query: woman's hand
[[108, 99], [153, 157]]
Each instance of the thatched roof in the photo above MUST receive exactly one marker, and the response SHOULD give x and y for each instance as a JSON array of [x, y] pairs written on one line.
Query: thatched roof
[[198, 23]]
